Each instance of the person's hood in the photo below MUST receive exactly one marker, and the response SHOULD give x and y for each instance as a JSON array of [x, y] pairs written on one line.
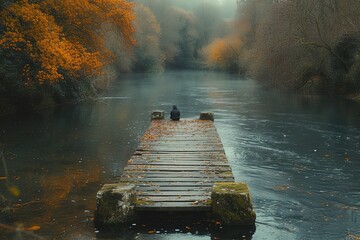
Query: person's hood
[[174, 107]]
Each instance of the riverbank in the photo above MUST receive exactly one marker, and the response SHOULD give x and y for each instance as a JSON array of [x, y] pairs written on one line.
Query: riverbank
[[47, 97], [84, 92]]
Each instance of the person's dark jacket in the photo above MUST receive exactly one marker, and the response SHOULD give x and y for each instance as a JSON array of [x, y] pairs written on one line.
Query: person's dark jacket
[[175, 114]]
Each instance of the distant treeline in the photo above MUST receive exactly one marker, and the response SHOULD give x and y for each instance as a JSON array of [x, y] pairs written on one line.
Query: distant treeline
[[307, 45], [172, 34]]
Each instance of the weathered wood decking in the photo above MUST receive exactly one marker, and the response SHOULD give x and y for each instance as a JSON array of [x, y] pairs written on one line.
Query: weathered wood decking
[[179, 166], [176, 165]]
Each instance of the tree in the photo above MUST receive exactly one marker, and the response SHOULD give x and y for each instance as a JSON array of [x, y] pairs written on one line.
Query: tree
[[61, 36], [178, 33], [59, 40], [148, 56], [36, 33], [224, 54], [309, 45], [208, 18], [164, 14], [187, 37]]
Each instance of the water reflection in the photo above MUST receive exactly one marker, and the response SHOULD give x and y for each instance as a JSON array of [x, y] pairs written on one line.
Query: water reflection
[[179, 225], [300, 156]]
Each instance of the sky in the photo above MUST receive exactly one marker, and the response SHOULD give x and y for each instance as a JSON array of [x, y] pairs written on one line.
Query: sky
[[228, 7]]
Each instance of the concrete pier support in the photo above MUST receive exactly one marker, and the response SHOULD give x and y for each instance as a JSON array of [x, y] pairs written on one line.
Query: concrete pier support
[[157, 115], [207, 116], [115, 204], [231, 204]]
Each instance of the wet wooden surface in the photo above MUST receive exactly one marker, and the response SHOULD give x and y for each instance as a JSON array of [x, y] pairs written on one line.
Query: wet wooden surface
[[176, 164]]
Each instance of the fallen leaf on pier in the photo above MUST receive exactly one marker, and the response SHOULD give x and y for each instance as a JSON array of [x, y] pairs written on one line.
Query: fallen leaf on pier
[[151, 231]]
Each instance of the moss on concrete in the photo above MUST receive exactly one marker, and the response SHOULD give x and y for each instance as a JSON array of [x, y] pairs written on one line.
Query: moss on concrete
[[141, 201], [115, 204], [231, 204], [208, 202]]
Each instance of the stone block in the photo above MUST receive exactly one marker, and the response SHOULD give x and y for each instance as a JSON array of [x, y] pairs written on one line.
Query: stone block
[[115, 204], [157, 115], [232, 205], [207, 116]]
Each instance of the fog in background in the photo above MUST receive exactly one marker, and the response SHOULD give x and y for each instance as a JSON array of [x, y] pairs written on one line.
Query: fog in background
[[227, 8], [173, 34]]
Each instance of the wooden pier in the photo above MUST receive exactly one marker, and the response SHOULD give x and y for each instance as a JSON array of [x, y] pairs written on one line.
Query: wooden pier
[[176, 165], [174, 169]]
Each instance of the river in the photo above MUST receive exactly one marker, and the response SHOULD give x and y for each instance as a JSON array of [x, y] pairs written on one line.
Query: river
[[300, 155]]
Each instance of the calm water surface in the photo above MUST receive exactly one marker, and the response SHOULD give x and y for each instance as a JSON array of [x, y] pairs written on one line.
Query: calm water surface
[[299, 155]]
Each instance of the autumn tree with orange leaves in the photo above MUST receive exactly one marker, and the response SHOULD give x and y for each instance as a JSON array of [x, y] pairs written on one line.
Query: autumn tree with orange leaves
[[58, 46], [224, 54]]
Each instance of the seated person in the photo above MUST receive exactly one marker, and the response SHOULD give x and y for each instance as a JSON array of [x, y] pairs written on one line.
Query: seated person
[[175, 114]]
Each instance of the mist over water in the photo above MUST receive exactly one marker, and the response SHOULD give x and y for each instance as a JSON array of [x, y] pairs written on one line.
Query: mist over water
[[299, 155]]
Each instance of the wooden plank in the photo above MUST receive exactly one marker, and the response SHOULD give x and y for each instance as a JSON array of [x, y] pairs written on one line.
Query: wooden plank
[[173, 193], [145, 168], [172, 153], [149, 157], [175, 184], [205, 154], [181, 148], [176, 150], [184, 141], [178, 160], [147, 188], [173, 206], [140, 174], [177, 163], [178, 198], [179, 180], [175, 175]]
